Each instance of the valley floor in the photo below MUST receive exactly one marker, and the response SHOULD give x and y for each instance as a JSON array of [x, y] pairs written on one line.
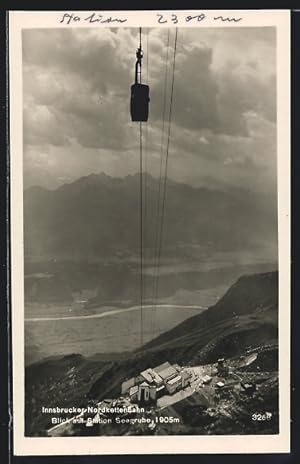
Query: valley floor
[[106, 331]]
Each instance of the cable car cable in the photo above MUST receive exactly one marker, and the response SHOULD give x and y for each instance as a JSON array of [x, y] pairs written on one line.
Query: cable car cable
[[140, 30], [141, 231], [166, 161], [159, 212], [158, 207], [145, 175], [141, 202]]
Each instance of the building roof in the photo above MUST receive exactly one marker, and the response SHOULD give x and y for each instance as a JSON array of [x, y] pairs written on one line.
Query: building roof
[[207, 378], [144, 384], [160, 388], [161, 367], [147, 376], [133, 390], [174, 380], [220, 384], [151, 376], [185, 374], [168, 372]]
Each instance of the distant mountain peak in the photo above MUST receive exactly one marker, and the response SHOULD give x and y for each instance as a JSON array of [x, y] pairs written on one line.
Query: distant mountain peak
[[106, 209]]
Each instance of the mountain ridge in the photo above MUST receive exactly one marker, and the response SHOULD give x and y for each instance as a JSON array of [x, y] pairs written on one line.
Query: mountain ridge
[[99, 214], [94, 176], [222, 310]]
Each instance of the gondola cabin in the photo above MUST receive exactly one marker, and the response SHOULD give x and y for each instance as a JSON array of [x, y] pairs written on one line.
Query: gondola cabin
[[139, 99], [139, 102]]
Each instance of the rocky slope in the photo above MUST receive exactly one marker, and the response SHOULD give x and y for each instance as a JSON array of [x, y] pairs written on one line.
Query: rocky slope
[[244, 319]]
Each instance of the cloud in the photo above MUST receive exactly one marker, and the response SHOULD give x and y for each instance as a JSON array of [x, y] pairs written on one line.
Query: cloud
[[76, 103], [213, 97], [195, 92], [82, 79]]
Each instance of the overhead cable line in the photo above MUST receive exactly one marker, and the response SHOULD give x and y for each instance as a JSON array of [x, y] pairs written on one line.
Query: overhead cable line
[[158, 207], [141, 210], [145, 225], [166, 169]]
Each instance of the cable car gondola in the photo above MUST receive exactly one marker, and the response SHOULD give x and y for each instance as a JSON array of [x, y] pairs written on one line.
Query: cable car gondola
[[139, 101]]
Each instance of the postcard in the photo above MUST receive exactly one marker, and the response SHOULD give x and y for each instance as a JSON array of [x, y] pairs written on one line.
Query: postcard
[[150, 231]]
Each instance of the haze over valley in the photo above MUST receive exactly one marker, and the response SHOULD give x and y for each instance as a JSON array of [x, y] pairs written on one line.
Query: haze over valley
[[82, 260]]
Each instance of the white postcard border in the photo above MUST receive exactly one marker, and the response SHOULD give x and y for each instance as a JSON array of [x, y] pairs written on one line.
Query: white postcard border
[[22, 445]]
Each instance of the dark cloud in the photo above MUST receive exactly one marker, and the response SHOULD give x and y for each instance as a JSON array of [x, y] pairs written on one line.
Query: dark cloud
[[76, 100], [83, 81], [217, 101], [195, 103]]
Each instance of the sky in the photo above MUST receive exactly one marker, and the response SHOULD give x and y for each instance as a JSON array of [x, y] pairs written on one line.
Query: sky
[[76, 120]]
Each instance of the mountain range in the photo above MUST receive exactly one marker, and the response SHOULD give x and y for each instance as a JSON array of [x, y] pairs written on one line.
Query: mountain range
[[99, 216]]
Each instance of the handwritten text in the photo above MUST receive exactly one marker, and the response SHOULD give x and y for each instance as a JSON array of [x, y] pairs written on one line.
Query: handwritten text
[[160, 18]]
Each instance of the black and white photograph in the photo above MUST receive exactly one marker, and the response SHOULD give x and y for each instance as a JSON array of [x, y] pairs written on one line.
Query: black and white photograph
[[151, 182]]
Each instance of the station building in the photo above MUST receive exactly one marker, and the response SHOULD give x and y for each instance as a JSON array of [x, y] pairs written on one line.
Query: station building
[[155, 382]]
